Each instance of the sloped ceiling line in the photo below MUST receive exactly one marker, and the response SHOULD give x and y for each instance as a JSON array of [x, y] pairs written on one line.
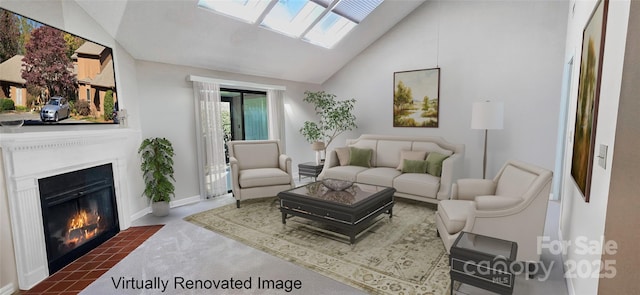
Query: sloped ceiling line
[[179, 32]]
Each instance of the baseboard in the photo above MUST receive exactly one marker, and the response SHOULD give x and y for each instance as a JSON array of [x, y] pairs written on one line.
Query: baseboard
[[141, 213], [570, 289], [172, 204], [185, 201], [563, 256], [7, 289], [560, 236]]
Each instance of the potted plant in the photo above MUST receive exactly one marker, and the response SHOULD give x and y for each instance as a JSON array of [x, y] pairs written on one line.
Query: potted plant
[[334, 117], [157, 168]]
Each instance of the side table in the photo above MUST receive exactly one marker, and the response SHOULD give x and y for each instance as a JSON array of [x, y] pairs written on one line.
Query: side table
[[309, 169], [484, 262]]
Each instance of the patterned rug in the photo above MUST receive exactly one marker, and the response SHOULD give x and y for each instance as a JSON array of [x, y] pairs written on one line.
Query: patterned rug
[[401, 255]]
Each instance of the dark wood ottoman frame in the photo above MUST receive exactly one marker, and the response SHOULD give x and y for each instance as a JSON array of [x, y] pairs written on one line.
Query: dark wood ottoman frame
[[353, 219]]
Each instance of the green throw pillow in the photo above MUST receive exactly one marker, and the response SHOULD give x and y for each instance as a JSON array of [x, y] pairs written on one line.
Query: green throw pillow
[[360, 157], [414, 166], [434, 166]]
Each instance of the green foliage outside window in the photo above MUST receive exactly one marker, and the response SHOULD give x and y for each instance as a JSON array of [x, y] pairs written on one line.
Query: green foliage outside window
[[108, 106], [7, 104]]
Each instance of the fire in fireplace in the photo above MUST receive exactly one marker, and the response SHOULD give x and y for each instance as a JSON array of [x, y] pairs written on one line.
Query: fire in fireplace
[[79, 213], [82, 227]]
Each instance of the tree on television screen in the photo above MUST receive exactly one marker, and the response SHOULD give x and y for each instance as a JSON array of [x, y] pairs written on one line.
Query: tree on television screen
[[46, 64], [9, 35]]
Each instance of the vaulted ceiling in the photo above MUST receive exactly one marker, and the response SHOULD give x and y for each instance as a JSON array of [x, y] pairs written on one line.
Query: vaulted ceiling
[[179, 32]]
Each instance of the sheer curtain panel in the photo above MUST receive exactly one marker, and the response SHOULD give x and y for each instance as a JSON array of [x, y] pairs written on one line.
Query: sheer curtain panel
[[211, 143], [275, 104]]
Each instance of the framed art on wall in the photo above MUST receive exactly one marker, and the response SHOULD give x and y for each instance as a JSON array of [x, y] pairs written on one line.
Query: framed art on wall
[[588, 98], [416, 97]]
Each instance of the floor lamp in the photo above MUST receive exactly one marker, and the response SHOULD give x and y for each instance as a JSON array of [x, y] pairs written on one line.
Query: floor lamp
[[487, 115]]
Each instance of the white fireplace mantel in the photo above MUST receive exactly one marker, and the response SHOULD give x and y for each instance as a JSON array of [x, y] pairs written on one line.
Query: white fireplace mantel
[[30, 156]]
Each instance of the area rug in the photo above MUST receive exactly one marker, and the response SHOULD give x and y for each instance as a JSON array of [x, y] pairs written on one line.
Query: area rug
[[399, 255]]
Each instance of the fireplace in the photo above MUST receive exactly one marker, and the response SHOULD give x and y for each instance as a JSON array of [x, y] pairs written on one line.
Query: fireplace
[[79, 213], [30, 157]]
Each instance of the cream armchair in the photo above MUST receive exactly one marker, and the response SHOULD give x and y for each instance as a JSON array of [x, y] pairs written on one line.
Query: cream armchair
[[258, 169], [512, 206]]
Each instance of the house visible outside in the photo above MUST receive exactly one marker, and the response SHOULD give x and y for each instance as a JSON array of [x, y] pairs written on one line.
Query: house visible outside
[[12, 85], [94, 71]]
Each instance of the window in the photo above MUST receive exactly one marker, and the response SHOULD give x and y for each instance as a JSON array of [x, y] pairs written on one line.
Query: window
[[320, 22], [292, 17], [19, 96], [254, 109], [246, 10], [246, 113], [331, 29]]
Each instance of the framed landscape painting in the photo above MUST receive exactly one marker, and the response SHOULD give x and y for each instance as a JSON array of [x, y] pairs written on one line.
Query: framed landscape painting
[[416, 97], [588, 98]]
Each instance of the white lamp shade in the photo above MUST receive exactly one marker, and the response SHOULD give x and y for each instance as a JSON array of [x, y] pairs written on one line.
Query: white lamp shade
[[487, 115]]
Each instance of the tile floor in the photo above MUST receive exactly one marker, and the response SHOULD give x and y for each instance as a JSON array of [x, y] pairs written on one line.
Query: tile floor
[[76, 276]]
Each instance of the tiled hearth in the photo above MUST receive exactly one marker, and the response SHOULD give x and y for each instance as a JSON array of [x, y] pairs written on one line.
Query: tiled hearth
[[81, 273]]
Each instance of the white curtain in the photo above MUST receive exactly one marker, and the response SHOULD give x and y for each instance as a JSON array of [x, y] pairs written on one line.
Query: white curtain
[[275, 105], [211, 144]]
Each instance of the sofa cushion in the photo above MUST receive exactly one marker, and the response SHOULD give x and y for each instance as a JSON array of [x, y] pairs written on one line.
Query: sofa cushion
[[343, 155], [262, 177], [420, 184], [414, 166], [434, 161], [343, 172], [454, 214], [367, 144], [378, 176], [388, 152], [411, 155], [360, 157]]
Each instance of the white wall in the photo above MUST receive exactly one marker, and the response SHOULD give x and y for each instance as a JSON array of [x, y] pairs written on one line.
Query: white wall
[[580, 220], [509, 51], [167, 110]]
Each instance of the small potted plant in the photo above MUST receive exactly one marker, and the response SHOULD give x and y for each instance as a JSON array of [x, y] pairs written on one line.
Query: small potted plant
[[335, 117], [157, 170]]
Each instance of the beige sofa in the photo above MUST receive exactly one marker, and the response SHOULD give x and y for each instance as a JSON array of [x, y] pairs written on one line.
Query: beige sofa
[[258, 169], [386, 158], [512, 206]]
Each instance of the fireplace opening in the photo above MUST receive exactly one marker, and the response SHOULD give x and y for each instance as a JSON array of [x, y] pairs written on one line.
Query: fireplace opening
[[79, 213]]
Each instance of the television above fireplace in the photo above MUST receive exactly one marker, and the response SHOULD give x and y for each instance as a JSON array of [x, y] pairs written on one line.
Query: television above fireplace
[[52, 77]]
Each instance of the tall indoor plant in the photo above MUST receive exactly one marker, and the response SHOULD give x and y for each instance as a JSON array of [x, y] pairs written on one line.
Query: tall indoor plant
[[157, 170], [334, 117]]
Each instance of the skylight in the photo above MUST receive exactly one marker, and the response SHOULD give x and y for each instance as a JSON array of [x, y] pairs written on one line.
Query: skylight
[[292, 17], [331, 29], [247, 10], [320, 22]]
